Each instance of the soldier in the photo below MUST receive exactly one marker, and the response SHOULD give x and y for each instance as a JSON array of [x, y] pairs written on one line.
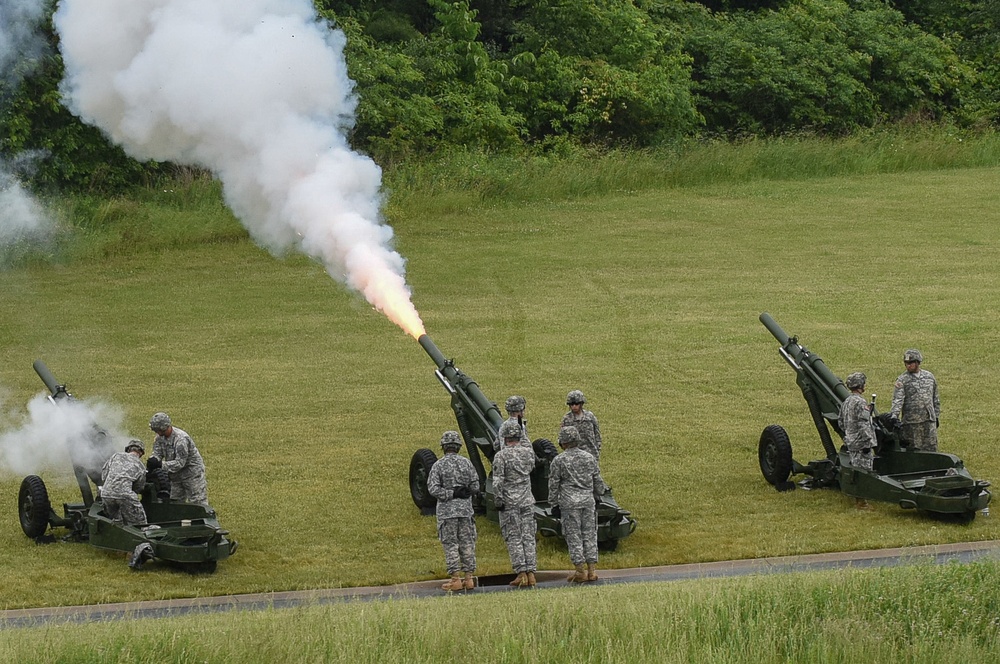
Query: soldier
[[515, 406], [574, 483], [174, 451], [514, 501], [122, 477], [856, 423], [453, 481], [584, 422], [915, 402]]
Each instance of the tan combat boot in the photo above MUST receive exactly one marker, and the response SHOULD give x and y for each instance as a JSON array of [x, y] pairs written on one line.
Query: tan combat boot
[[531, 579], [453, 584], [470, 581], [591, 571], [520, 580], [579, 576]]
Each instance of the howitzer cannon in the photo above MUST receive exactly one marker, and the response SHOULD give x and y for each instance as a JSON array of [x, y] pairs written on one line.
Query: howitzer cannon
[[479, 420], [183, 533], [934, 482]]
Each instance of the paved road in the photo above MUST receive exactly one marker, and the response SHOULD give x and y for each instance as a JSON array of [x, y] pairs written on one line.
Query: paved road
[[938, 553]]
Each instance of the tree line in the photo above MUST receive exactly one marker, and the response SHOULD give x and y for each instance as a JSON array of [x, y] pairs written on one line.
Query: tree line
[[509, 75]]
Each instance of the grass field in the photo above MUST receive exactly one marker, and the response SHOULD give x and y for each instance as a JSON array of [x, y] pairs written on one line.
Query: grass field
[[307, 405], [912, 614]]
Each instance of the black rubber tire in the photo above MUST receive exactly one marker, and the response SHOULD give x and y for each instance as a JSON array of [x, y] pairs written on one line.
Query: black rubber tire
[[544, 449], [420, 470], [608, 545], [774, 454], [160, 480], [33, 506]]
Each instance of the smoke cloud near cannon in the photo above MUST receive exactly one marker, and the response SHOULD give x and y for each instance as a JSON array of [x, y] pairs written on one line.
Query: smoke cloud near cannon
[[257, 92], [22, 217], [53, 436]]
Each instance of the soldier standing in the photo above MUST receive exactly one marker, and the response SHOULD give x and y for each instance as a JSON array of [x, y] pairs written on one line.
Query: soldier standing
[[584, 422], [452, 481], [916, 398], [175, 452], [512, 468], [515, 406], [122, 477], [574, 483], [856, 423]]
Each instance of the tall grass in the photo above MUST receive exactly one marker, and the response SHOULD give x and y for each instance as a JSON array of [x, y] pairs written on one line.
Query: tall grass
[[912, 614]]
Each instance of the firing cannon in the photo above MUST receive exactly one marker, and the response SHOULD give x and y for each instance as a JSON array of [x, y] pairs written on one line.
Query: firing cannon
[[479, 420], [933, 482], [186, 534]]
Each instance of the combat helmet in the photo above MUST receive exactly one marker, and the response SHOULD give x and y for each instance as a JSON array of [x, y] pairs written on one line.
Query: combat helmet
[[576, 396], [451, 439], [569, 436], [856, 380], [515, 404], [913, 355], [159, 422], [509, 429], [135, 444]]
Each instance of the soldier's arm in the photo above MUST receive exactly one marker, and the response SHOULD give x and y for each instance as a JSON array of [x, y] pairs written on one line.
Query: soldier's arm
[[597, 431], [499, 477], [434, 486], [554, 480], [598, 481], [937, 402], [180, 460], [897, 399], [139, 481]]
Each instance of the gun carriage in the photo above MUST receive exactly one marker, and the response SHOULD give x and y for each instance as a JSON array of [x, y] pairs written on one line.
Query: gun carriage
[[187, 534], [934, 482], [479, 420]]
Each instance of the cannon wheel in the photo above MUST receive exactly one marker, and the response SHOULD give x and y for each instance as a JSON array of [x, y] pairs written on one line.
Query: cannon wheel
[[33, 506], [160, 480], [775, 454], [420, 470]]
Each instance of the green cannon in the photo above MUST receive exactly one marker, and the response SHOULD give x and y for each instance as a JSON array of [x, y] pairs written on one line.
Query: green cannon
[[933, 482], [479, 420], [185, 534]]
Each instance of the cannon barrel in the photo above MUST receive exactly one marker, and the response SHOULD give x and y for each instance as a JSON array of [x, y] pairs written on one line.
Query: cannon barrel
[[50, 381], [807, 364], [432, 350]]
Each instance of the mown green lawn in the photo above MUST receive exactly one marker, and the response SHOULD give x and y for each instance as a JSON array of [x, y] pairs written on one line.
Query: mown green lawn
[[307, 405]]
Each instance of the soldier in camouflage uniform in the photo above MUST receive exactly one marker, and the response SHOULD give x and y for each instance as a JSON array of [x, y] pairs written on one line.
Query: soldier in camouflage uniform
[[453, 481], [515, 406], [584, 422], [916, 404], [174, 451], [122, 477], [574, 483], [512, 468], [856, 423]]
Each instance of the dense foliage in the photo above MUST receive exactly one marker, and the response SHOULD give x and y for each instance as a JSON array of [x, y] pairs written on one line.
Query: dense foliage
[[507, 75]]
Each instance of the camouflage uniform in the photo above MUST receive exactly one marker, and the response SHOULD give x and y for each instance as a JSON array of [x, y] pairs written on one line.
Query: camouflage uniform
[[184, 465], [455, 519], [123, 476], [574, 480], [512, 468], [916, 398], [523, 425], [859, 435], [590, 432]]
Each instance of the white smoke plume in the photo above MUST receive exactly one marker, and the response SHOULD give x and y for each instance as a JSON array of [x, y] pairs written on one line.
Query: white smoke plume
[[51, 437], [22, 217], [256, 91]]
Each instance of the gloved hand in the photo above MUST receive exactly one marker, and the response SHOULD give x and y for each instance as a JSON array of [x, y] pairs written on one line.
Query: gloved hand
[[894, 421], [597, 498], [499, 505], [937, 423], [461, 492], [152, 463], [556, 512]]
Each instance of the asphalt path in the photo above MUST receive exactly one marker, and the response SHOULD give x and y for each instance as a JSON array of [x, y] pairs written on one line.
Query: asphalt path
[[936, 554]]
